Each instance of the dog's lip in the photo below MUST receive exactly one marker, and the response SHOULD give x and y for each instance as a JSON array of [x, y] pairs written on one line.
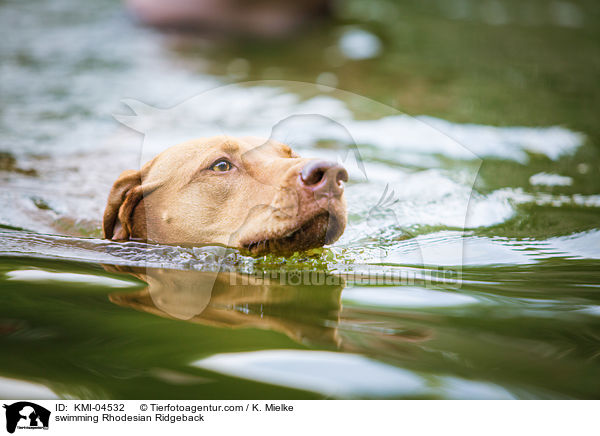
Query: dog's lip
[[283, 242]]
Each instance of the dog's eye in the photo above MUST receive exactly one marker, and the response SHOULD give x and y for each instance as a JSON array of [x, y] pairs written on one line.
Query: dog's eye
[[221, 166]]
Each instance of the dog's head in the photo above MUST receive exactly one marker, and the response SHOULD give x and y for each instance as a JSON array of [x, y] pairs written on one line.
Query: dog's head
[[247, 193]]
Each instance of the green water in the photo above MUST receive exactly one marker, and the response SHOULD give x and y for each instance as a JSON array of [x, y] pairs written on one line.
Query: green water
[[518, 317]]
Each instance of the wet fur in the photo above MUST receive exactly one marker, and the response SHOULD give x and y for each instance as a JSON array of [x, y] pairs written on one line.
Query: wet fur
[[259, 206]]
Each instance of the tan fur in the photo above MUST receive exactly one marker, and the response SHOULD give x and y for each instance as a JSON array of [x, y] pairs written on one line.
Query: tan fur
[[176, 199]]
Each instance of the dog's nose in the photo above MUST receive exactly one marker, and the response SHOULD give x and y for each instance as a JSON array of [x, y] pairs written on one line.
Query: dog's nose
[[324, 177]]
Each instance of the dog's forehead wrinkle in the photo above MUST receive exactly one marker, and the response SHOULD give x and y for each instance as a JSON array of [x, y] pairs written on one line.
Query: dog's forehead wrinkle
[[230, 147], [260, 147]]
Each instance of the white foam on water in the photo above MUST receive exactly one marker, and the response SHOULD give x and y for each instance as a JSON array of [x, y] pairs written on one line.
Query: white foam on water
[[448, 248], [519, 196], [451, 248], [584, 245], [547, 179], [511, 143]]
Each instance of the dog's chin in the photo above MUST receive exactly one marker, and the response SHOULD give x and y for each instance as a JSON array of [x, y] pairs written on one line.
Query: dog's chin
[[316, 231]]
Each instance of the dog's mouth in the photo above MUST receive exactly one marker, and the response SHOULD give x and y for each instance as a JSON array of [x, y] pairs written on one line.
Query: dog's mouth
[[315, 232]]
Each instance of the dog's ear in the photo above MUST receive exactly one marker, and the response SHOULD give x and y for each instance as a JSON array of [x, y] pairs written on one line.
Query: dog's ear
[[124, 196]]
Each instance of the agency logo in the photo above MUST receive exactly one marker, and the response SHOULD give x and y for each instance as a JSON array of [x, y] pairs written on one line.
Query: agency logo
[[26, 415]]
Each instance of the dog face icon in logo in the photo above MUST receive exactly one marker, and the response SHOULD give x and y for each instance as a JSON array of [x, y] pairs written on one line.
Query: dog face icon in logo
[[26, 415]]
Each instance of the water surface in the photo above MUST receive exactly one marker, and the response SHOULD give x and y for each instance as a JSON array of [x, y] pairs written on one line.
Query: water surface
[[472, 145]]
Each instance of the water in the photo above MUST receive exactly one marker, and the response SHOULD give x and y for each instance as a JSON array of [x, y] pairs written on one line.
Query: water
[[470, 265]]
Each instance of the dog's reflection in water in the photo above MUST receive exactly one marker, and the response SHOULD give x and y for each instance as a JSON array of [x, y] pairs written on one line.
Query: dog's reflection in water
[[309, 314]]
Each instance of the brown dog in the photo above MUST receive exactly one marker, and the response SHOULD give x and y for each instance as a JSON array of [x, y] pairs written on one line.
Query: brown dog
[[253, 194]]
